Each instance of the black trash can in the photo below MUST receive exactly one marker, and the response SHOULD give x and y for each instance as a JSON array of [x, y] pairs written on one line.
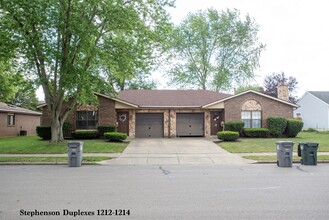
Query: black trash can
[[308, 153], [75, 154], [284, 153]]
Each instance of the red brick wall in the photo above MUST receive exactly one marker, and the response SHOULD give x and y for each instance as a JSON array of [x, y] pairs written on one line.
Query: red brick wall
[[106, 111], [270, 107], [71, 119], [22, 122], [46, 117]]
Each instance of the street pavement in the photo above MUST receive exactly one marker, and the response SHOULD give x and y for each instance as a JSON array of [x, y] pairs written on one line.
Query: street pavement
[[201, 151], [250, 191]]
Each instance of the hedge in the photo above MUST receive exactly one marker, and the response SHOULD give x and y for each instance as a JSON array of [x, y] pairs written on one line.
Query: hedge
[[106, 128], [276, 125], [294, 126], [84, 134], [115, 136], [310, 130], [44, 132], [228, 135], [236, 126], [256, 132]]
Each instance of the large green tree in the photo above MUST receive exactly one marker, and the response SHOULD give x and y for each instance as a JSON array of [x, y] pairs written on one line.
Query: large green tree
[[7, 88], [26, 93], [130, 59], [15, 89], [66, 43], [213, 50]]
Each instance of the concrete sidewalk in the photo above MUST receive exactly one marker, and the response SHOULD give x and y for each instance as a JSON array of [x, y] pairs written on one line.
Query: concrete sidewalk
[[196, 151]]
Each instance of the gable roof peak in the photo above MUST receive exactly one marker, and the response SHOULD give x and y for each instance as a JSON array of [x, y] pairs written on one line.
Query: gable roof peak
[[255, 92], [322, 95]]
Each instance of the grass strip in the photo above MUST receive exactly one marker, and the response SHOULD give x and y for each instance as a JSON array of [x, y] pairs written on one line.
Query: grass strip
[[273, 158], [257, 145], [35, 145], [49, 159]]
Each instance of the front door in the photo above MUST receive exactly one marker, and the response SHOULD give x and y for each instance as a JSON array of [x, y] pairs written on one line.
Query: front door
[[123, 122], [217, 120]]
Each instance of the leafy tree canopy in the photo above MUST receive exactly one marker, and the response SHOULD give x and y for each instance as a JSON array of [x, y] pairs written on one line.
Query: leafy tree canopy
[[15, 89], [214, 50], [68, 44], [250, 87], [271, 83], [7, 88]]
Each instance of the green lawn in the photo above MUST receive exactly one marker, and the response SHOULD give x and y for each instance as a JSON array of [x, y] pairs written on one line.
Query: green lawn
[[254, 145], [35, 145], [274, 158], [49, 159]]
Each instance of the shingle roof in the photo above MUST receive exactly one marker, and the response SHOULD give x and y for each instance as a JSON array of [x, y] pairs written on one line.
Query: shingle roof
[[323, 95], [171, 98], [14, 109]]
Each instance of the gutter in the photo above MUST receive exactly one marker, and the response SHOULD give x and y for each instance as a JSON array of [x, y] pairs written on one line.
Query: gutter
[[196, 107], [20, 112]]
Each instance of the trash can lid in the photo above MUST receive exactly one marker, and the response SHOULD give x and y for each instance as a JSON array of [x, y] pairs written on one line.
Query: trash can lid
[[284, 142], [309, 143], [74, 143]]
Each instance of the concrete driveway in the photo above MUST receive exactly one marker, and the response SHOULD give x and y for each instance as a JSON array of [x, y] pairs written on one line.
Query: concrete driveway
[[175, 151]]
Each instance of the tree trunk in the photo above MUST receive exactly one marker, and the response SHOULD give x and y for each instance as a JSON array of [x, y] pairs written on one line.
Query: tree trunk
[[56, 130], [59, 115]]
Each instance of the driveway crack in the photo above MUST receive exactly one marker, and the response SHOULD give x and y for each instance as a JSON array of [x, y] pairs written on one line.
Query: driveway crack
[[165, 172]]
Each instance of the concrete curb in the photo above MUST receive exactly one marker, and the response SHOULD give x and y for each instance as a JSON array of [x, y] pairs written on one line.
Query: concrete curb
[[42, 163], [112, 155], [98, 163], [270, 162]]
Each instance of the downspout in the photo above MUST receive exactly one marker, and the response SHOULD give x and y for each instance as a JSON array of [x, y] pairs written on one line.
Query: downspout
[[169, 130]]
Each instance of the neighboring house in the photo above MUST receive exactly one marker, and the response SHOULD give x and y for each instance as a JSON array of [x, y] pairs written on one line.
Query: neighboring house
[[314, 110], [14, 119], [174, 113]]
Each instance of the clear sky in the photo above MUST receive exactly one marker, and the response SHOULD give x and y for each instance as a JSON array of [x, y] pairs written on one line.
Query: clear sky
[[296, 34]]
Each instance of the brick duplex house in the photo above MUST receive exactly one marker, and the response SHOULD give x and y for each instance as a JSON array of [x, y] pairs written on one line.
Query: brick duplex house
[[176, 113]]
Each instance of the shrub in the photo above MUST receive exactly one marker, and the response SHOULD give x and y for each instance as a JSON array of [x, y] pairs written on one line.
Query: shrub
[[84, 134], [115, 136], [44, 132], [228, 135], [276, 125], [310, 130], [294, 126], [66, 126], [236, 126], [256, 132], [105, 129]]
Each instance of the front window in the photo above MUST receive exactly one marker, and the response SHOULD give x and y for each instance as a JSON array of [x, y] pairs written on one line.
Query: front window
[[87, 119], [10, 120], [252, 119]]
